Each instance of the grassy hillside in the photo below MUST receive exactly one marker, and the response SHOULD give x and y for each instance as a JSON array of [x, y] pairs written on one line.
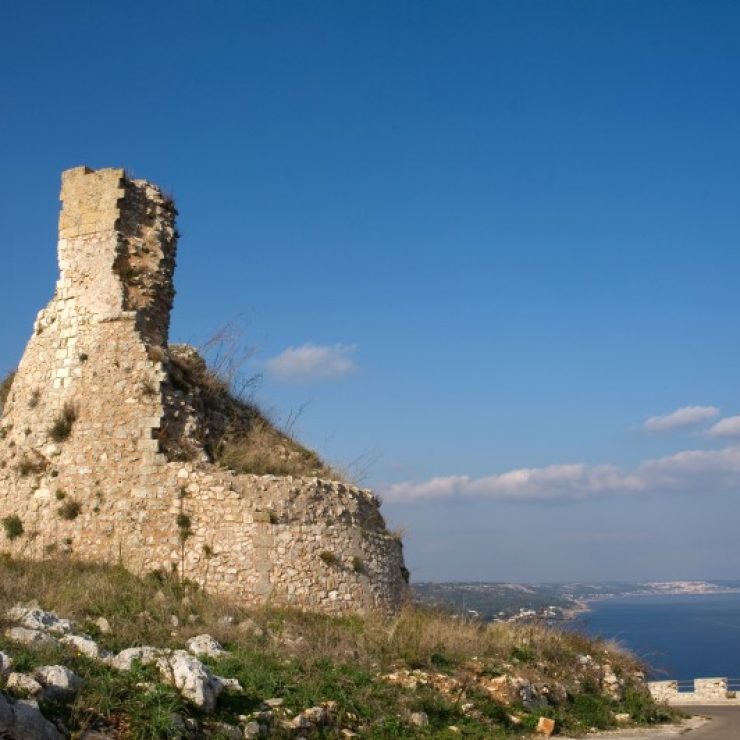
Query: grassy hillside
[[381, 673]]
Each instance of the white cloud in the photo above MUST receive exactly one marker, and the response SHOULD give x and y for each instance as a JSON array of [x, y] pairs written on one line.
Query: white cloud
[[688, 471], [684, 417], [311, 362], [729, 427]]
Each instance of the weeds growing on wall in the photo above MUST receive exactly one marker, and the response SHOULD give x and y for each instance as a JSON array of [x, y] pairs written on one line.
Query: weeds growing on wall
[[241, 437], [31, 465], [13, 527], [69, 510], [61, 429], [5, 385]]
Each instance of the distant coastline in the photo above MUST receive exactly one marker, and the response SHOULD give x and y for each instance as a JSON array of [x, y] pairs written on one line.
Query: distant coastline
[[680, 634], [496, 601]]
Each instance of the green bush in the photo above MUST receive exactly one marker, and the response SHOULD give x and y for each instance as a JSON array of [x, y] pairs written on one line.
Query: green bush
[[61, 429], [13, 527], [329, 558], [70, 510]]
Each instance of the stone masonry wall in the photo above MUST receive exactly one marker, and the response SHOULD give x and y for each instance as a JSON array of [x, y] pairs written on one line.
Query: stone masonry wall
[[81, 460]]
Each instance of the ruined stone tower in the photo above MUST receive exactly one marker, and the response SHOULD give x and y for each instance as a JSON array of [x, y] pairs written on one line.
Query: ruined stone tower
[[109, 436]]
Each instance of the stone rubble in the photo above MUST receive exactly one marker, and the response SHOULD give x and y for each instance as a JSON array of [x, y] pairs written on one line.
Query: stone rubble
[[33, 618], [85, 646], [191, 678], [27, 636], [59, 683], [205, 645], [24, 684], [145, 655], [6, 663]]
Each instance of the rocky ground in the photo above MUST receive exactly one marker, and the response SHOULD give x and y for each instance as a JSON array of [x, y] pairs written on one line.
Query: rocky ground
[[104, 654]]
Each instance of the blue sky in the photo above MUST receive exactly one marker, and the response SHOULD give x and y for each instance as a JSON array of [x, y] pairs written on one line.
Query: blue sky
[[474, 238]]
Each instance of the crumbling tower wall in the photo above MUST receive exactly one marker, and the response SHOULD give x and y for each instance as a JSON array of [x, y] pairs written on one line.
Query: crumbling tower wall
[[94, 411]]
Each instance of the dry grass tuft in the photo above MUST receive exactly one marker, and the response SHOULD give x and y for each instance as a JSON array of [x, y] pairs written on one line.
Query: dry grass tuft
[[141, 609], [61, 429], [262, 449]]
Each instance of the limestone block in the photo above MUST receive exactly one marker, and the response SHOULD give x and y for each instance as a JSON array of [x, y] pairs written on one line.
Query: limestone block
[[191, 678], [60, 684]]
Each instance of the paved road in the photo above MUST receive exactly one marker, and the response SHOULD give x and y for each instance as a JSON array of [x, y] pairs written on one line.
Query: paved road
[[724, 724]]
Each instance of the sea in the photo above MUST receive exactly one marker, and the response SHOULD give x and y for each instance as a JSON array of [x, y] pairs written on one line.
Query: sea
[[679, 636]]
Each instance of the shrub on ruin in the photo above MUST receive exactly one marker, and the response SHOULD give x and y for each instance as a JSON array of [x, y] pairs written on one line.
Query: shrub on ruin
[[70, 510], [184, 526], [328, 558], [262, 449], [61, 429], [13, 527], [357, 564], [30, 466], [5, 385]]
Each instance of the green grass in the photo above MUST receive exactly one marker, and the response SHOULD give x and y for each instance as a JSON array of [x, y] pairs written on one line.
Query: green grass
[[305, 659]]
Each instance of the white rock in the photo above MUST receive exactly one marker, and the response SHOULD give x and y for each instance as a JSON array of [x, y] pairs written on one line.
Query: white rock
[[125, 659], [60, 684], [29, 636], [300, 722], [191, 678], [419, 719], [274, 703], [205, 645], [37, 619], [252, 730], [85, 646], [103, 625], [611, 685], [316, 715], [6, 663], [229, 684], [23, 721], [24, 683]]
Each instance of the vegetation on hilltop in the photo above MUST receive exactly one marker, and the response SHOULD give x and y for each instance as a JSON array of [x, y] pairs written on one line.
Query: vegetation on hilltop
[[379, 671], [236, 433]]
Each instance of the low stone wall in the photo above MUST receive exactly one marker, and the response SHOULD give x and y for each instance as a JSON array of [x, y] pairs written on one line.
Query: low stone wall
[[705, 691]]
